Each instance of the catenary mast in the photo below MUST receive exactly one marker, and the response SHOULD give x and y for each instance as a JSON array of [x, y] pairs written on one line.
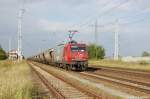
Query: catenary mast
[[20, 17]]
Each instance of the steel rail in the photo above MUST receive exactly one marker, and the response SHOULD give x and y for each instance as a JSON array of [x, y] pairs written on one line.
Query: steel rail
[[144, 87], [52, 89], [87, 92]]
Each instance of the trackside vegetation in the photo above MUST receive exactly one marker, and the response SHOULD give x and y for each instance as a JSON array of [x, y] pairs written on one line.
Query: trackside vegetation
[[3, 54], [120, 64], [96, 51], [145, 54], [15, 80]]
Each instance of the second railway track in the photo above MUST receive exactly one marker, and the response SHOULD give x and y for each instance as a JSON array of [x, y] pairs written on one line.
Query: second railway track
[[139, 80], [136, 72], [138, 86]]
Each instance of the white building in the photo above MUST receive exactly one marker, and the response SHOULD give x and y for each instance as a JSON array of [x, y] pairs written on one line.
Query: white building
[[13, 55]]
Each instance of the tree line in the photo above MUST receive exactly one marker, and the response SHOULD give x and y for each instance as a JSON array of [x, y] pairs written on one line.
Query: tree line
[[3, 54], [145, 54], [96, 51]]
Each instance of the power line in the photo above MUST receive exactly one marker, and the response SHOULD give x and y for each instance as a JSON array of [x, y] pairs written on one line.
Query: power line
[[104, 13], [133, 22], [89, 15], [128, 23]]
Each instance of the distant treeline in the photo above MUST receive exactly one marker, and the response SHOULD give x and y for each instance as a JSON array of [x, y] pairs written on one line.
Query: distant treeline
[[3, 54], [145, 54], [96, 51]]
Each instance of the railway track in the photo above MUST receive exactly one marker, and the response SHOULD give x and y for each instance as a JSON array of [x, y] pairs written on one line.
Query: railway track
[[135, 72], [138, 80], [135, 76], [60, 88], [138, 86]]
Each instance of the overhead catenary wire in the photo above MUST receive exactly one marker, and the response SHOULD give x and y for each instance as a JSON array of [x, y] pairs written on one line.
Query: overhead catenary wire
[[84, 25], [80, 25], [89, 16]]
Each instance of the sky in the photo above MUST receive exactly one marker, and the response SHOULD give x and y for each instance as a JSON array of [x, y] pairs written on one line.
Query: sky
[[46, 23]]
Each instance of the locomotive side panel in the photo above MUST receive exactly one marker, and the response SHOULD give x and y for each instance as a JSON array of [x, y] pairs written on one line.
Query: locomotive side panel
[[66, 54]]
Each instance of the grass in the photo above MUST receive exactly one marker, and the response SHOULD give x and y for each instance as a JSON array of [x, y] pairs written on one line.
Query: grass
[[15, 80], [120, 64]]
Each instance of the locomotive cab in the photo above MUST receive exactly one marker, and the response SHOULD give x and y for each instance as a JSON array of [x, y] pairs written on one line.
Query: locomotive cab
[[79, 56], [79, 52]]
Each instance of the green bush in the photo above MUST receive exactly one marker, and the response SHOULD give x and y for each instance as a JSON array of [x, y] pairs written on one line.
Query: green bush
[[3, 54], [96, 52], [145, 54]]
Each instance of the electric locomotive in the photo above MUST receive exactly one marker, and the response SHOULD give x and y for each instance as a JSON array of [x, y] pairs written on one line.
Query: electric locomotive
[[71, 56]]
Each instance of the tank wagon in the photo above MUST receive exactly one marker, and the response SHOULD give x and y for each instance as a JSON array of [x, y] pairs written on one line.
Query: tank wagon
[[71, 56]]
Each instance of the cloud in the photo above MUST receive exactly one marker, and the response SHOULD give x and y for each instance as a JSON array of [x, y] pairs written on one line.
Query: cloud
[[128, 6], [52, 26]]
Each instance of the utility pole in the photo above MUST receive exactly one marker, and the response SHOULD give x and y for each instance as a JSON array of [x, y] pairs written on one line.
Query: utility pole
[[9, 48], [116, 46], [95, 37], [20, 17], [9, 45], [96, 26], [96, 32]]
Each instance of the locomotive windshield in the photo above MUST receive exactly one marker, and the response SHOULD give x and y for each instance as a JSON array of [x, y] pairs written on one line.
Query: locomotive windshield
[[78, 48]]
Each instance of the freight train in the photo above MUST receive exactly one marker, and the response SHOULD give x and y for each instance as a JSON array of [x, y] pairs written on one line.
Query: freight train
[[70, 56]]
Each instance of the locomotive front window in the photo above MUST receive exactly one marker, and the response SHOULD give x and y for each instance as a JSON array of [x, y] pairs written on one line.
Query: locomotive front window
[[74, 48], [82, 49], [77, 48]]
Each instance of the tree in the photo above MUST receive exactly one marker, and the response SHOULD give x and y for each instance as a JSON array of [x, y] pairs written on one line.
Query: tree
[[96, 52], [3, 54], [145, 54]]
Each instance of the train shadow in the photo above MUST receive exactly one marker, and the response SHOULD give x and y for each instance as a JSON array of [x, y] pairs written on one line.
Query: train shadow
[[92, 69]]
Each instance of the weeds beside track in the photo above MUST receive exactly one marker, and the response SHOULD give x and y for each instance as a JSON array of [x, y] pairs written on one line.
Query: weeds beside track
[[15, 80]]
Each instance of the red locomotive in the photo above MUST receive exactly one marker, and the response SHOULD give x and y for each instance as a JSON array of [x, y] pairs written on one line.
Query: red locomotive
[[71, 56]]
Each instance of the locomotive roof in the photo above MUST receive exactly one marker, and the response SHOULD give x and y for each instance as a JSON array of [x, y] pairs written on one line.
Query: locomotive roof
[[73, 42], [77, 44]]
